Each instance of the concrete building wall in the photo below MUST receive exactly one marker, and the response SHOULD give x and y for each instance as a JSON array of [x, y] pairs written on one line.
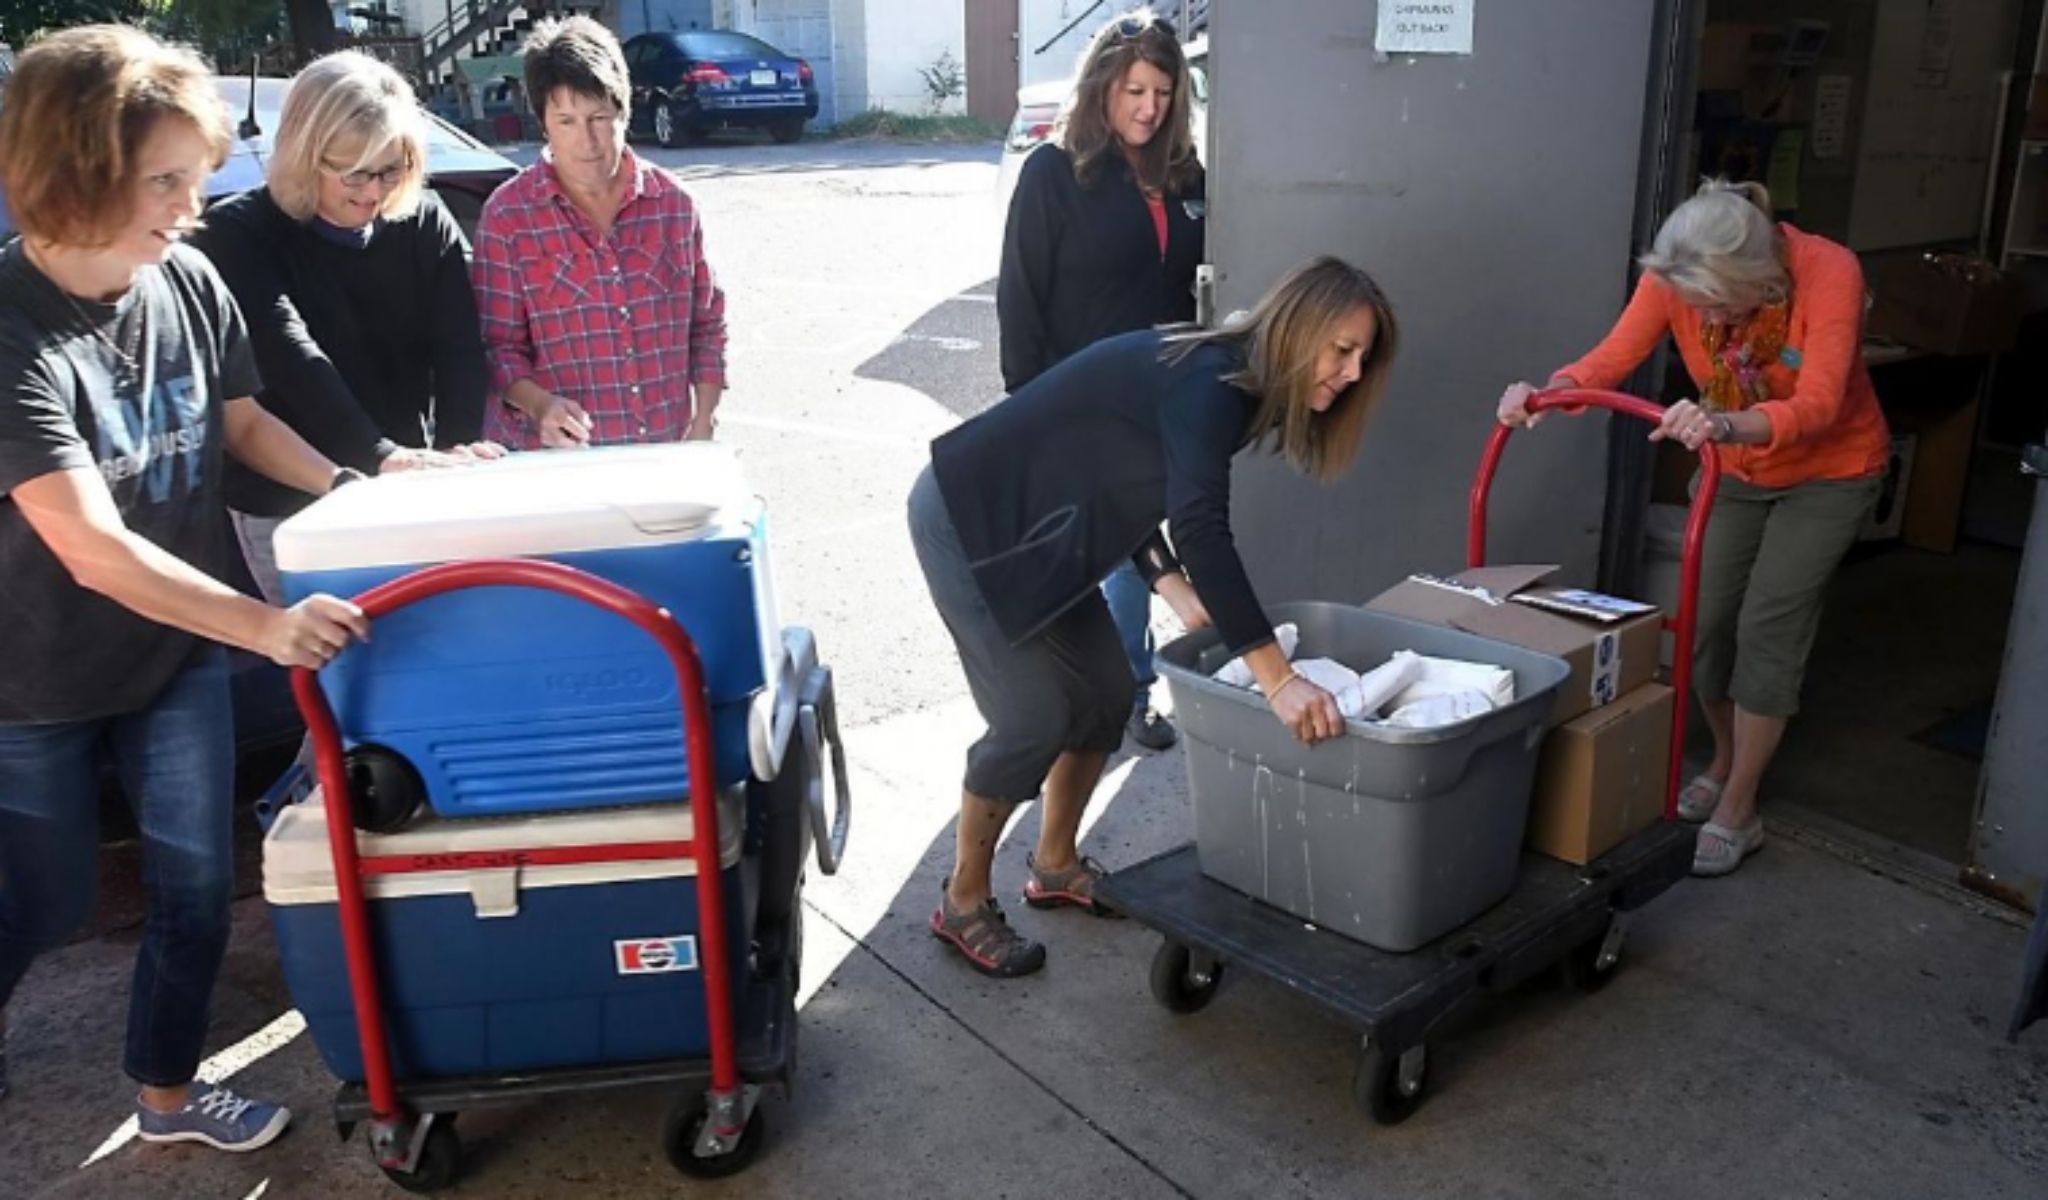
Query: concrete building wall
[[904, 36]]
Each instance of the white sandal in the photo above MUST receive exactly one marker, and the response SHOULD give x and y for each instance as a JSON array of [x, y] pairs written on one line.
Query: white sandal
[[1698, 800], [1720, 849]]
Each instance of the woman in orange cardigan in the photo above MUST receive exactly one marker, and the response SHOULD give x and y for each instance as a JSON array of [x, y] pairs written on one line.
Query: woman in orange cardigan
[[1769, 321]]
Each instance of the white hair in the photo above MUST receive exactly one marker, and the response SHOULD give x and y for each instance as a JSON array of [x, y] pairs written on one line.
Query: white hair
[[1723, 246]]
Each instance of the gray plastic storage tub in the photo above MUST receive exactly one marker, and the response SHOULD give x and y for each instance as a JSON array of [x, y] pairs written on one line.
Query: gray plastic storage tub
[[1390, 836]]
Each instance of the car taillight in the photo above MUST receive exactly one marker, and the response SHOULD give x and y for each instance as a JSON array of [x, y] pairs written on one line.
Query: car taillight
[[706, 73], [803, 70], [1029, 131]]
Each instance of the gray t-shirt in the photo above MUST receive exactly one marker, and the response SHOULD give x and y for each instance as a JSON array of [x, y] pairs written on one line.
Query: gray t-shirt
[[133, 390]]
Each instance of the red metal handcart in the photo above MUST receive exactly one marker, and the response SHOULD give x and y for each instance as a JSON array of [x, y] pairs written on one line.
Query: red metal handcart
[[1556, 914], [716, 1128]]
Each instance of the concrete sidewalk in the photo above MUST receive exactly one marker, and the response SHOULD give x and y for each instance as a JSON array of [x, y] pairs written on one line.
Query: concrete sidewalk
[[1805, 1028]]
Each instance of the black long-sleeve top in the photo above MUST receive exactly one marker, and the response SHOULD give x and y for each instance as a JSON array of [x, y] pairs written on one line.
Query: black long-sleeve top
[[1080, 264], [1050, 489], [362, 349]]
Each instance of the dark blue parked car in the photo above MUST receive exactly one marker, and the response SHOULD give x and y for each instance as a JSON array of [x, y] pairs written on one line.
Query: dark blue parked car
[[687, 84]]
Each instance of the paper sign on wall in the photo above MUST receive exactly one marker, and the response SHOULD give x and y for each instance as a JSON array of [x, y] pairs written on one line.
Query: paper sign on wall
[[1425, 27], [1830, 115]]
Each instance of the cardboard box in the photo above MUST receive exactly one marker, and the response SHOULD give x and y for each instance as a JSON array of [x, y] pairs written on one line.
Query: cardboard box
[[1608, 659], [1602, 777], [1947, 304], [1888, 518]]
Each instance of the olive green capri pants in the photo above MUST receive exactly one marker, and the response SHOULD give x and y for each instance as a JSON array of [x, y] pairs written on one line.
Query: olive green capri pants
[[1764, 571]]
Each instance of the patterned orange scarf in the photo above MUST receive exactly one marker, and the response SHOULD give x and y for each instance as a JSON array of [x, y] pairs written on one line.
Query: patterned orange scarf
[[1739, 354]]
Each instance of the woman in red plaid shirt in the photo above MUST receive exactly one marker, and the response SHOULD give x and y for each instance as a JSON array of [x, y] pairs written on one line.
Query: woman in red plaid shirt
[[602, 321]]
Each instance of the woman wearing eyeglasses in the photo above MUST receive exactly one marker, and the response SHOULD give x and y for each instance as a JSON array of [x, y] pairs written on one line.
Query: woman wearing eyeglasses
[[355, 283], [1105, 232]]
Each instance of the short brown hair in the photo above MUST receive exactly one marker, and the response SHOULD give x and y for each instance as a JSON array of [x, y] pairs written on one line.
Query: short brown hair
[[579, 54], [1167, 163], [80, 106], [1280, 339]]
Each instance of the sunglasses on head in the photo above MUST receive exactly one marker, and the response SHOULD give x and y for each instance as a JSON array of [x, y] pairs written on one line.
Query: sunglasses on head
[[1132, 27]]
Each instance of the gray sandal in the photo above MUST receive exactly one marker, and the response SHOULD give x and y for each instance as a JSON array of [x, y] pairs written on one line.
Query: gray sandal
[[984, 938], [1720, 849], [1071, 888], [1698, 800]]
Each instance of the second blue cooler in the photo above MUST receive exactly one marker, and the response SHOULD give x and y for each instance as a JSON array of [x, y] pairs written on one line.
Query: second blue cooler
[[511, 700]]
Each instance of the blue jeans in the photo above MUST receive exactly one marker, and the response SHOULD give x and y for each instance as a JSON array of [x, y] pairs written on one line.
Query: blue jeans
[[176, 762], [1130, 606]]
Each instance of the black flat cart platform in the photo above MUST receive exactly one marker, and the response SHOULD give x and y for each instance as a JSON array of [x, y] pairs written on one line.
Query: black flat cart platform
[[1557, 914]]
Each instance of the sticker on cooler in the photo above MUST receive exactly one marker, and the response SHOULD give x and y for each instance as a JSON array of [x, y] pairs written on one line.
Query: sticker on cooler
[[656, 956], [1606, 669]]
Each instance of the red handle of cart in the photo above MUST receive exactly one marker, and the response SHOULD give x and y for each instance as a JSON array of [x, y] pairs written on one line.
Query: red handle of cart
[[1683, 626], [350, 870]]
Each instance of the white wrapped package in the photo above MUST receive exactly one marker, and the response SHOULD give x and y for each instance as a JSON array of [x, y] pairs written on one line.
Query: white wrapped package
[[1384, 682], [1444, 708], [1335, 678], [1448, 676], [1236, 674]]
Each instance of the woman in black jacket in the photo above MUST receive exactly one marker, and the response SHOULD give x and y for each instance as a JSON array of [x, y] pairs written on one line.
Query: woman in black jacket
[[355, 283], [1104, 235], [1027, 506]]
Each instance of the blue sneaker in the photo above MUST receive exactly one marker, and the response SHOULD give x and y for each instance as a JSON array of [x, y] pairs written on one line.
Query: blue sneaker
[[218, 1117]]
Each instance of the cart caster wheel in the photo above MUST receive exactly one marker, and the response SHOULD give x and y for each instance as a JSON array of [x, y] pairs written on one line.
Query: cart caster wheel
[[384, 790], [1176, 982], [1391, 1087], [679, 1137], [1593, 964], [440, 1162]]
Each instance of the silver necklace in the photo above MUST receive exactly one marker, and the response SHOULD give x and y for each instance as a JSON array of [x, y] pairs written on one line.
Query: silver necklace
[[128, 374]]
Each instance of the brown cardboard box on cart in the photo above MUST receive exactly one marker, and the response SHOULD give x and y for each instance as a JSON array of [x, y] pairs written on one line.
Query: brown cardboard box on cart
[[1608, 659], [1602, 777]]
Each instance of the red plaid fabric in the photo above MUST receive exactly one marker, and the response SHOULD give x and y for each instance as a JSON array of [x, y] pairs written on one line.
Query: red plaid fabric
[[622, 324]]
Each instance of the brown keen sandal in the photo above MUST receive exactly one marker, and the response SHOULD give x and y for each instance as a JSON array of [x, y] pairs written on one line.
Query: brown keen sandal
[[983, 936], [1071, 888]]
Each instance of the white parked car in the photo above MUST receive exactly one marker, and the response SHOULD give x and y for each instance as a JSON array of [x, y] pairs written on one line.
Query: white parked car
[[1039, 106]]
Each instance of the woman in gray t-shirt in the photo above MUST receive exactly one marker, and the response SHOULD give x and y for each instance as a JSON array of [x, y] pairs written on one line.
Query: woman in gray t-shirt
[[125, 377]]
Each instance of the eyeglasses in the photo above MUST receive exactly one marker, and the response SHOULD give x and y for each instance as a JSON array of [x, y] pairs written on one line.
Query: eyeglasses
[[357, 180], [1130, 28]]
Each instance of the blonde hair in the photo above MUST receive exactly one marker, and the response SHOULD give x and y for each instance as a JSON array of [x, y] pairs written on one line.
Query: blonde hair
[[1167, 163], [1723, 246], [342, 97], [80, 106], [1280, 340]]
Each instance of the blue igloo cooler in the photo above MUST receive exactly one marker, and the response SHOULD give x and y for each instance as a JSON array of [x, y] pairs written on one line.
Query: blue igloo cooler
[[509, 700], [519, 968]]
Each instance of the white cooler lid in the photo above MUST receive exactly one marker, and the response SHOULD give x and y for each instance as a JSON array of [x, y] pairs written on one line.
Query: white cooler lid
[[539, 502], [298, 867]]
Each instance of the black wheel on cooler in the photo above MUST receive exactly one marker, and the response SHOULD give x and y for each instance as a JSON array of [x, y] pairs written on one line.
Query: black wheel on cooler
[[384, 791], [686, 1124], [1391, 1086], [1178, 983], [440, 1164]]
